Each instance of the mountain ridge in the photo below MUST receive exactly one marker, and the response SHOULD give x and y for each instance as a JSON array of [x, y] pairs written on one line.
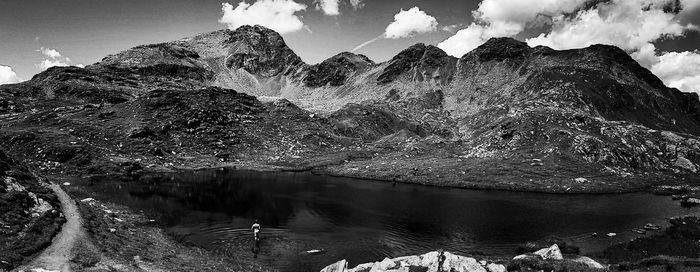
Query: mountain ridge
[[505, 115]]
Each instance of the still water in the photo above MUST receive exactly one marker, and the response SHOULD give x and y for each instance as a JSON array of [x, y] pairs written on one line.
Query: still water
[[364, 221]]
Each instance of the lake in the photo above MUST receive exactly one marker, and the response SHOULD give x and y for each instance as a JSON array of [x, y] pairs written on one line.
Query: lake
[[364, 221]]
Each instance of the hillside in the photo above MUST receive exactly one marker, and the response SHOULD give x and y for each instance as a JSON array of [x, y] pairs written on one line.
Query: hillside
[[504, 116]]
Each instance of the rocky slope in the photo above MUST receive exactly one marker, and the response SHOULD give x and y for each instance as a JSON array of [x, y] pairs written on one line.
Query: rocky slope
[[503, 116], [29, 214]]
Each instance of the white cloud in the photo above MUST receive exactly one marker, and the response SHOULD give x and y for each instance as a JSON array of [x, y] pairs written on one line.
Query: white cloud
[[679, 70], [329, 7], [452, 28], [410, 22], [499, 18], [357, 4], [278, 15], [633, 25], [407, 23], [54, 58], [7, 75], [51, 53], [628, 24]]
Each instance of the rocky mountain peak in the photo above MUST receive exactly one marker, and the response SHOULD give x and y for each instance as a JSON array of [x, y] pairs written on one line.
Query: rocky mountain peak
[[260, 50], [419, 57], [499, 49], [257, 36], [336, 70]]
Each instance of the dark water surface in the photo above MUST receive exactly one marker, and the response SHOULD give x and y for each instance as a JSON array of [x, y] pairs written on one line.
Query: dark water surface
[[364, 221]]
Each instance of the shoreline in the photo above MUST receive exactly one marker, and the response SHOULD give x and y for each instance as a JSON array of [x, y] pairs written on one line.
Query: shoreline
[[133, 229], [321, 171]]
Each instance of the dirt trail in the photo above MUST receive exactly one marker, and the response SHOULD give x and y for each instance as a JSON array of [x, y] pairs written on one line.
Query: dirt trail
[[58, 255]]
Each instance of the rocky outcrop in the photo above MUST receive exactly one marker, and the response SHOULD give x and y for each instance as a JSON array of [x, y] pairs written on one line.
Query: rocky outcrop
[[29, 214], [444, 261], [260, 51], [545, 257], [336, 70], [420, 63], [432, 262]]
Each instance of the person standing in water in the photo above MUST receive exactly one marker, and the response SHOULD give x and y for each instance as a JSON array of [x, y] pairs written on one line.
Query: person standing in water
[[256, 230]]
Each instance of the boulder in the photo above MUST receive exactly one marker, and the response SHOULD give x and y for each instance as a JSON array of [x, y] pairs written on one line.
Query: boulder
[[361, 268], [461, 264], [492, 267], [340, 266], [686, 164], [552, 252], [407, 261], [429, 259], [690, 202], [581, 180], [520, 257], [384, 265], [588, 262]]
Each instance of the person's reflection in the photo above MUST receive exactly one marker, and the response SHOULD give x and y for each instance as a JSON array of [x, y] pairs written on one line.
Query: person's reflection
[[256, 248]]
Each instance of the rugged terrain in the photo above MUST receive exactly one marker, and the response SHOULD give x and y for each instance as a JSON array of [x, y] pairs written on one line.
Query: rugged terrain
[[504, 116], [30, 214]]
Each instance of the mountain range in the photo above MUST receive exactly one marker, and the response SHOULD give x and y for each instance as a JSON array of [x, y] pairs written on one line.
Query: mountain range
[[503, 116]]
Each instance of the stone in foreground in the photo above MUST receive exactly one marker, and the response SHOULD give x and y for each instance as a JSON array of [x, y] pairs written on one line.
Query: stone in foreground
[[429, 260]]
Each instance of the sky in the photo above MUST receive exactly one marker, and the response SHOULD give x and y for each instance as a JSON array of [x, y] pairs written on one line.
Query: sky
[[661, 34]]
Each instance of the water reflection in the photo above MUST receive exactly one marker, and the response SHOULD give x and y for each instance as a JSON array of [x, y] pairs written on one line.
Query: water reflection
[[365, 221]]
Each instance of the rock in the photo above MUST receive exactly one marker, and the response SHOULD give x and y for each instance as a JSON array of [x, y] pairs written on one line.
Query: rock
[[339, 266], [581, 180], [552, 253], [588, 262], [66, 184], [13, 186], [611, 234], [650, 226], [690, 202], [140, 132], [315, 251], [408, 261], [429, 258], [87, 199], [461, 264], [492, 267], [361, 268], [112, 230], [682, 162], [40, 205], [384, 265], [521, 256]]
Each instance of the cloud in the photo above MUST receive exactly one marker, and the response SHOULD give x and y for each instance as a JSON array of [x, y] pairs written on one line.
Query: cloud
[[278, 15], [505, 18], [329, 7], [357, 4], [407, 23], [679, 70], [410, 22], [633, 25], [7, 75], [628, 24], [54, 58], [452, 28]]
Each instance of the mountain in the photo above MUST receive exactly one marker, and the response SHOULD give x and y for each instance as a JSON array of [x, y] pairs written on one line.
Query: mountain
[[504, 115]]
